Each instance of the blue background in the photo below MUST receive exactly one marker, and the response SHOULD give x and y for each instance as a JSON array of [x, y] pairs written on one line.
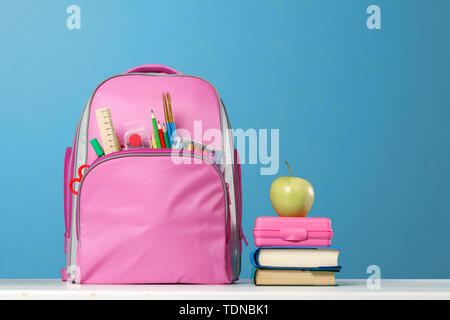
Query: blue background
[[363, 114]]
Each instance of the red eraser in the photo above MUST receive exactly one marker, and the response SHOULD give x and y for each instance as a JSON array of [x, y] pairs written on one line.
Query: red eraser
[[135, 140]]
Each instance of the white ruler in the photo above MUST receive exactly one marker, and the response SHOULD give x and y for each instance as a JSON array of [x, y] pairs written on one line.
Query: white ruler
[[106, 128]]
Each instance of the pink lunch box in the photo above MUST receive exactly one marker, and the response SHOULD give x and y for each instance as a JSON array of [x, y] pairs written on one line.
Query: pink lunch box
[[292, 232]]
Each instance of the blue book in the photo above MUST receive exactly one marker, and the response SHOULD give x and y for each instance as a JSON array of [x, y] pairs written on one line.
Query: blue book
[[296, 258]]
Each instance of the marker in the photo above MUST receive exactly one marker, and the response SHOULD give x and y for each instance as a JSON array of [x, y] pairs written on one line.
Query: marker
[[161, 136], [97, 147], [166, 137], [155, 127]]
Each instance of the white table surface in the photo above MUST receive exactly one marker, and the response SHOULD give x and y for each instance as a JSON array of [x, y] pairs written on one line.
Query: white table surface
[[243, 290]]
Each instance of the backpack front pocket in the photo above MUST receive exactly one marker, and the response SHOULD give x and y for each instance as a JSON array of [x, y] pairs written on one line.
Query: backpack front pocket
[[147, 218]]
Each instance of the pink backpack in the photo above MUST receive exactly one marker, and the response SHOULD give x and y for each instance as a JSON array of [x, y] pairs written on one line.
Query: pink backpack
[[153, 215]]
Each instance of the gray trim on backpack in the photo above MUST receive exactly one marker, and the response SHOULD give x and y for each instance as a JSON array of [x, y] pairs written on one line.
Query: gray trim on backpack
[[229, 173], [80, 159]]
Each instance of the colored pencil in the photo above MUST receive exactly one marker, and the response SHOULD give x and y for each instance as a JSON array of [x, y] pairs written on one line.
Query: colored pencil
[[166, 136], [154, 141], [155, 128], [118, 143], [161, 136]]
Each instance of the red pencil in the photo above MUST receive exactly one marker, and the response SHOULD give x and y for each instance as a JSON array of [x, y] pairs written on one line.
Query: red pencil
[[161, 136]]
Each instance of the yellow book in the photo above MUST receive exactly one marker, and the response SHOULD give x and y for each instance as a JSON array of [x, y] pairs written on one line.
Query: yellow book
[[289, 277]]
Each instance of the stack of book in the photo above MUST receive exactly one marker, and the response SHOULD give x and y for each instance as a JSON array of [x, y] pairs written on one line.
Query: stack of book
[[294, 251]]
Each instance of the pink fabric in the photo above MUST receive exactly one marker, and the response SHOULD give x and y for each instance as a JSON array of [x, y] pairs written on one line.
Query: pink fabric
[[292, 231], [238, 190], [71, 173], [66, 197], [131, 97], [64, 275], [153, 68], [145, 219]]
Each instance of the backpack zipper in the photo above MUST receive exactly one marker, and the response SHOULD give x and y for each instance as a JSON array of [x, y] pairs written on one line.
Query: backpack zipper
[[147, 153]]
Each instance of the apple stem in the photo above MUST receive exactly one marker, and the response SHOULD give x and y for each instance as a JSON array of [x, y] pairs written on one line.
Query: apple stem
[[288, 167]]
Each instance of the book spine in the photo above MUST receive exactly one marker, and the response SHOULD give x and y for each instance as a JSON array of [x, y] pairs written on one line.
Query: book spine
[[254, 258]]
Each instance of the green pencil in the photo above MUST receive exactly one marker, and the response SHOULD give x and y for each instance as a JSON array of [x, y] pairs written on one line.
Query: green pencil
[[155, 127]]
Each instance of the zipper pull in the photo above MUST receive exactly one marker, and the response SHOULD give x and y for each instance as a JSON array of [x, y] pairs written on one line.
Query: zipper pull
[[228, 226]]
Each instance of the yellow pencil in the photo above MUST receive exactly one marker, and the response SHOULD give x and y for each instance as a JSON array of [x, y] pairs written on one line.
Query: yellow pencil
[[154, 141]]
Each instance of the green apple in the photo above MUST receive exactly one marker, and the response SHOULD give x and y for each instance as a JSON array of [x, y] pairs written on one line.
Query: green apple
[[291, 196]]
